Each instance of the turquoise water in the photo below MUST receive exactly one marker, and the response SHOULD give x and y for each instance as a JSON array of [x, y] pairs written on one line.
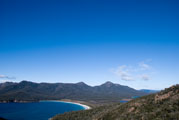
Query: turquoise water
[[35, 111], [123, 101]]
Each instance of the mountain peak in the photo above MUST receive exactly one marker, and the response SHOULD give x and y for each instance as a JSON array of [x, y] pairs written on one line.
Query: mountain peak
[[26, 82], [81, 83], [108, 84]]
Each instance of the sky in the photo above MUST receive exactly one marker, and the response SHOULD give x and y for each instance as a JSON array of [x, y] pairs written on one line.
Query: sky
[[129, 42]]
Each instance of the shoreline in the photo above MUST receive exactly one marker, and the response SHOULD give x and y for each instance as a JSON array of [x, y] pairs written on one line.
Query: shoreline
[[80, 103], [86, 107]]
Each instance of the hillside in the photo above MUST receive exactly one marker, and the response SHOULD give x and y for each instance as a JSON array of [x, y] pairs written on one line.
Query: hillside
[[160, 106], [29, 91]]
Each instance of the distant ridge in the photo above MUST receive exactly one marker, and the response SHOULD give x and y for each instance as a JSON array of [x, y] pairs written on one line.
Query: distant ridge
[[30, 91]]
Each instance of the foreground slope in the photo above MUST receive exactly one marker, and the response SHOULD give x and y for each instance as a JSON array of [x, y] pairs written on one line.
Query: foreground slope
[[160, 106]]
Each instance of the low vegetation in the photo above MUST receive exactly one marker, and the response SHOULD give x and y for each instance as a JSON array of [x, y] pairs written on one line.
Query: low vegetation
[[160, 106], [90, 114]]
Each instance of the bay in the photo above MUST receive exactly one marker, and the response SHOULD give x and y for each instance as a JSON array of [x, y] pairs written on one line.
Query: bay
[[36, 111]]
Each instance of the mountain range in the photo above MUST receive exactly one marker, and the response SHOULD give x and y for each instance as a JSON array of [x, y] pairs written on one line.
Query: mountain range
[[30, 91]]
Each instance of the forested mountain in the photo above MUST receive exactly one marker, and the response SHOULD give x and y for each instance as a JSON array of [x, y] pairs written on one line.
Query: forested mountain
[[160, 106], [29, 91]]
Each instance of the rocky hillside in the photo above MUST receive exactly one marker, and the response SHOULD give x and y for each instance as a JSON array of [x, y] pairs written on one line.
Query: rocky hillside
[[160, 106]]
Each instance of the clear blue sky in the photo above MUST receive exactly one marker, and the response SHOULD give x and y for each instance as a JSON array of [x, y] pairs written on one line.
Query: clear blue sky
[[130, 42]]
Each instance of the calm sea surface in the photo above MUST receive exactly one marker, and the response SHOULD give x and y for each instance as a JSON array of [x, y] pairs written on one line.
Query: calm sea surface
[[35, 111]]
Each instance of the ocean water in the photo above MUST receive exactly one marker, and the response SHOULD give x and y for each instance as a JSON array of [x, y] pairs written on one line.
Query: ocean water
[[123, 101], [35, 111]]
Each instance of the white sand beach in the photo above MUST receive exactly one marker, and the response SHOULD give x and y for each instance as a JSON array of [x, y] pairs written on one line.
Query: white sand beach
[[83, 105], [86, 107]]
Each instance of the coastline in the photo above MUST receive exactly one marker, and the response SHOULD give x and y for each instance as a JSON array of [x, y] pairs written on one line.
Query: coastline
[[79, 103], [86, 107]]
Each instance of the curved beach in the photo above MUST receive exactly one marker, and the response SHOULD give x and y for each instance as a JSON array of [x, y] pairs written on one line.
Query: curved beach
[[86, 107]]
